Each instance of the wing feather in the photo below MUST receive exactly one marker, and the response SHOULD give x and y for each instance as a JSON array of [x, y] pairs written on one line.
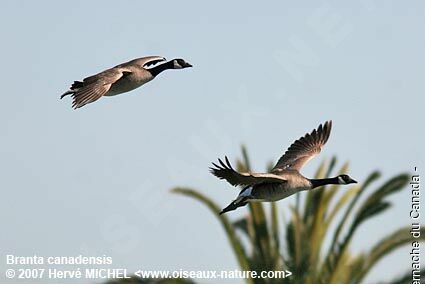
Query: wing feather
[[94, 87], [225, 171], [143, 61], [304, 149]]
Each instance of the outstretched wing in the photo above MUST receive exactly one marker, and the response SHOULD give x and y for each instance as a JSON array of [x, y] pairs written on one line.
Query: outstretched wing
[[153, 61], [94, 87], [226, 171], [304, 149], [143, 61]]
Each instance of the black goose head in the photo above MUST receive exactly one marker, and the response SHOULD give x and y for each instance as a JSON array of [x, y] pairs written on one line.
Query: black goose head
[[345, 179], [179, 63]]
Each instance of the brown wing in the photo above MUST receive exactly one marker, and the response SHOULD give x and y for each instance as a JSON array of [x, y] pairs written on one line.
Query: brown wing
[[304, 149], [143, 61], [94, 87], [225, 171], [153, 62]]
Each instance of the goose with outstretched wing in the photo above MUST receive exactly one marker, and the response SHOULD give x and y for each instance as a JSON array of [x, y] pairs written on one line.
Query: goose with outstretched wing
[[285, 178], [120, 79]]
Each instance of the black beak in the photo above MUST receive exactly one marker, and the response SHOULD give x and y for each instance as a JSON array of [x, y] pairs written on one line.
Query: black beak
[[187, 65], [352, 181]]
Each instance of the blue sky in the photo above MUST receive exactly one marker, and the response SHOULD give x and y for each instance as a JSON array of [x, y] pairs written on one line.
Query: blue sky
[[96, 181]]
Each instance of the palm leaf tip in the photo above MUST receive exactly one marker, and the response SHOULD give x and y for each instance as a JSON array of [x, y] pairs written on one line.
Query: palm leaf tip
[[223, 219]]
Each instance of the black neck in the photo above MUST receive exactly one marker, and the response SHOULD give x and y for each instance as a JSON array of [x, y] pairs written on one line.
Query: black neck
[[158, 69], [323, 181]]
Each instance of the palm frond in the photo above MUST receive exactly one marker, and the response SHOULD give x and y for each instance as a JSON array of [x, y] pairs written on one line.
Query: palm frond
[[385, 246], [234, 240]]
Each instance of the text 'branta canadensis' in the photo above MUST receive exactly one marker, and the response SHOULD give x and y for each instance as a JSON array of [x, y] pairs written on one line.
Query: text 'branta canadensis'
[[284, 179], [120, 79]]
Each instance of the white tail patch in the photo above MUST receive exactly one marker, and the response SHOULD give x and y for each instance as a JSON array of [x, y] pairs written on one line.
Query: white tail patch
[[244, 193]]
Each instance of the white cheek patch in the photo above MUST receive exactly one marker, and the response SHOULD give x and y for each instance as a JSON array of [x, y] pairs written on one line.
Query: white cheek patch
[[341, 180], [177, 65]]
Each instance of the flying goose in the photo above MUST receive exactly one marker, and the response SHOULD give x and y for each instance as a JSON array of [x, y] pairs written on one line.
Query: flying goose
[[120, 79], [285, 178]]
